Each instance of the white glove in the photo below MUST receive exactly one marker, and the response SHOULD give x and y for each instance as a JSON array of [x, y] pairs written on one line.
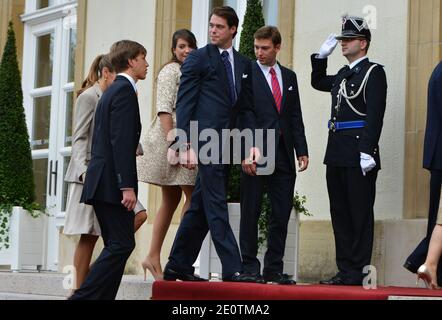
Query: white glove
[[367, 163], [328, 47]]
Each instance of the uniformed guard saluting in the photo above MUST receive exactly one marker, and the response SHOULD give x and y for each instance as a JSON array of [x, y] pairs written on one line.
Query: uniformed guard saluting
[[359, 93]]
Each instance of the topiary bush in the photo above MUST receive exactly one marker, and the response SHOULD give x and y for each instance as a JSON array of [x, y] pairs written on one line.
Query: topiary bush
[[253, 20], [16, 172]]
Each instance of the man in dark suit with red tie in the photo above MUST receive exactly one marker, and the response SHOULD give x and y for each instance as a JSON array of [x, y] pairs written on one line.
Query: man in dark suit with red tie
[[111, 182], [272, 92], [209, 87]]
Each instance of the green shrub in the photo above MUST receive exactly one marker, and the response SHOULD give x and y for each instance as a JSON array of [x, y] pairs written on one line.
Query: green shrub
[[253, 20], [16, 172]]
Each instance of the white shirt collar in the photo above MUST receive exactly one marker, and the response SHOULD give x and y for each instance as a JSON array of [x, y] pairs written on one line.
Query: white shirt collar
[[229, 50], [354, 63], [131, 80], [266, 69]]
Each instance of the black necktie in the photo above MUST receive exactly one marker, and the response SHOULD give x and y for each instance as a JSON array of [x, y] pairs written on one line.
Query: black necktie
[[229, 71]]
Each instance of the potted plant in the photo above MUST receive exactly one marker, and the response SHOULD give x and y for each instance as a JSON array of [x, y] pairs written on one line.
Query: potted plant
[[21, 224]]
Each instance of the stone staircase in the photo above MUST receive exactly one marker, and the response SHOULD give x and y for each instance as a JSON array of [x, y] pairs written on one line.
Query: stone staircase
[[49, 286]]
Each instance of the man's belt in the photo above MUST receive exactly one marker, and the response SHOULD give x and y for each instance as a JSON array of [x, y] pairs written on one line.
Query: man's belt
[[342, 125]]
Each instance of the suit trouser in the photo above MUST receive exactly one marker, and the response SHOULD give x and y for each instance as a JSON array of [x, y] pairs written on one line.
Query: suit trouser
[[419, 255], [208, 211], [280, 188], [352, 198], [117, 230]]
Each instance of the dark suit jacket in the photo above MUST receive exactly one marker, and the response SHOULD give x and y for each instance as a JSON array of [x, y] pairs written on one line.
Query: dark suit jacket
[[115, 140], [433, 133], [288, 123], [203, 95], [344, 147]]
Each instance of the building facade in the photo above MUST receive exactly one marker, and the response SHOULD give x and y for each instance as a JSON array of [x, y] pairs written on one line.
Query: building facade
[[58, 39]]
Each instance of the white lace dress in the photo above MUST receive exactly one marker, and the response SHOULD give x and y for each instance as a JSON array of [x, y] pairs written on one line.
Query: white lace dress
[[153, 167]]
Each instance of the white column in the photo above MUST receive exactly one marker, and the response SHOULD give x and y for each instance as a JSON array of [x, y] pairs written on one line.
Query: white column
[[271, 12], [241, 12], [200, 21]]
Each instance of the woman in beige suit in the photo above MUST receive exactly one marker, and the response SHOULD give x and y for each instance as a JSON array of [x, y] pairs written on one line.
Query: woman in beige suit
[[80, 218], [153, 167]]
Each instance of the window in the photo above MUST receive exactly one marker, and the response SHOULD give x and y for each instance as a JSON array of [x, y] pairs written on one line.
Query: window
[[50, 42], [35, 5], [41, 4]]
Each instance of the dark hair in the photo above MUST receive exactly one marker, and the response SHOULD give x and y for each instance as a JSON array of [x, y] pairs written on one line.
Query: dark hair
[[269, 32], [229, 14], [123, 51], [95, 72], [183, 34]]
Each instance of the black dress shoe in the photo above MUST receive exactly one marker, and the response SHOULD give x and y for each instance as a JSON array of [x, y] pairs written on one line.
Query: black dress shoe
[[172, 275], [260, 279], [241, 277], [335, 281], [279, 278], [257, 277]]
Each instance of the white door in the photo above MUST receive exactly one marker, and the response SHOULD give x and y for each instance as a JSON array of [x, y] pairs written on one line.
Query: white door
[[48, 84]]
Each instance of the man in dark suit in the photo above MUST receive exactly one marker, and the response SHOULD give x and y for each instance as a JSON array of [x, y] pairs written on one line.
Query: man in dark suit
[[359, 94], [111, 183], [272, 90], [433, 163], [210, 85]]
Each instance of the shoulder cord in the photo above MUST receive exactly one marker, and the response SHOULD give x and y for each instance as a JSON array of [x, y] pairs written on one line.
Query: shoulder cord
[[343, 91]]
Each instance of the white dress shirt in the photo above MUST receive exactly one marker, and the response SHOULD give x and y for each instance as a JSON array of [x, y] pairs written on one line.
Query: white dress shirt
[[266, 71]]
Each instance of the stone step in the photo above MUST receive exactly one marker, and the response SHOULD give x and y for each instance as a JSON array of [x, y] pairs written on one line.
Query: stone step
[[48, 285], [25, 297], [410, 298]]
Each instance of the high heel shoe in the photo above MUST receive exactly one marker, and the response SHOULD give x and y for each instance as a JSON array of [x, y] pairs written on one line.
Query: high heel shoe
[[147, 264], [424, 273]]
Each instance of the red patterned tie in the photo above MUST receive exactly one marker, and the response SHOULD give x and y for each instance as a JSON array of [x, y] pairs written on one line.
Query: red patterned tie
[[276, 90]]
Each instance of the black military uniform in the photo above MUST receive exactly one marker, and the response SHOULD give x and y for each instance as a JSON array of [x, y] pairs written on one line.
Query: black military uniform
[[358, 107]]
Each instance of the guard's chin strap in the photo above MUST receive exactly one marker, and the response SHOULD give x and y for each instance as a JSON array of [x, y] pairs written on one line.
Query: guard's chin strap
[[343, 92]]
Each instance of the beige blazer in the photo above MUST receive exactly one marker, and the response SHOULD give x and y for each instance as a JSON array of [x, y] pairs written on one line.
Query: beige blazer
[[84, 129]]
